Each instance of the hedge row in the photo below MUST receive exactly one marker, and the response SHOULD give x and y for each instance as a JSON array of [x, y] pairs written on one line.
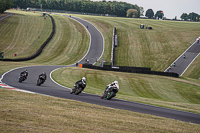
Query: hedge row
[[141, 70], [39, 51]]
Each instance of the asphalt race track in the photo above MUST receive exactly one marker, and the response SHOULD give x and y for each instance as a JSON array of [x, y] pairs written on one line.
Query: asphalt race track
[[181, 64], [95, 51], [1, 18], [96, 41]]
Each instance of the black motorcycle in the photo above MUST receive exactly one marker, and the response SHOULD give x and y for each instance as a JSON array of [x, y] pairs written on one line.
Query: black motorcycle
[[40, 80], [77, 89], [110, 93], [22, 77]]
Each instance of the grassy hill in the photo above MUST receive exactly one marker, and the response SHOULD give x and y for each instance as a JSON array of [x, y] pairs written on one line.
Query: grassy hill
[[146, 48], [19, 34], [156, 48], [149, 89], [22, 112], [63, 49]]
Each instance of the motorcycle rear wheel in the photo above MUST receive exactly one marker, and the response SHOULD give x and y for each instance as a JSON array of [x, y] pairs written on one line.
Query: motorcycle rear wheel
[[78, 91], [111, 95], [20, 79]]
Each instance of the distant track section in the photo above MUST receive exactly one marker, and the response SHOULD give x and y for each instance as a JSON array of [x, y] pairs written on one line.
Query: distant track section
[[181, 64], [3, 17]]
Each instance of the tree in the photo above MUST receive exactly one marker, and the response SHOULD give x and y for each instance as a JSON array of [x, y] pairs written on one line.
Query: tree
[[100, 7], [4, 5], [184, 16], [149, 13], [138, 10], [193, 16], [159, 14], [132, 13], [141, 11]]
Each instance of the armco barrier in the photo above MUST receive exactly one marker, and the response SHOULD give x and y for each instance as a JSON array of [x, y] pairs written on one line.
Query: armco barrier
[[113, 48], [39, 51], [141, 70]]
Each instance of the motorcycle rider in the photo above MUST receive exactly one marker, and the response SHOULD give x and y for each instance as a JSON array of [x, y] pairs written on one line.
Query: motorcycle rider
[[24, 72], [184, 56], [113, 84], [80, 83], [43, 75]]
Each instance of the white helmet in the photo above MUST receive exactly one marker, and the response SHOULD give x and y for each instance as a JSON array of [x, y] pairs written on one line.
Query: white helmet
[[84, 79], [116, 82]]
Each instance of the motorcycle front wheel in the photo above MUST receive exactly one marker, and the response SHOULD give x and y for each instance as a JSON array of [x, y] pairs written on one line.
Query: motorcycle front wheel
[[38, 82]]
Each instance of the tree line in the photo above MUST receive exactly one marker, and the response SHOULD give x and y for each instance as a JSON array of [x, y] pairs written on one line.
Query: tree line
[[159, 14], [121, 9], [86, 6], [4, 5], [191, 16], [150, 14]]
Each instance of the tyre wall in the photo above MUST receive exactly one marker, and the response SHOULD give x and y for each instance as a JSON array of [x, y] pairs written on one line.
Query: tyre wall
[[141, 70]]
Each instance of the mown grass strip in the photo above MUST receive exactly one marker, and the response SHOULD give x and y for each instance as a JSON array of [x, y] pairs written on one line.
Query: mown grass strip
[[155, 90], [69, 44], [156, 48], [193, 71], [21, 31], [37, 113]]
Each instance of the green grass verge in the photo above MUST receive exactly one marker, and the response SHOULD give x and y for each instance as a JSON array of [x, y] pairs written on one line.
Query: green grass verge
[[156, 90], [193, 71], [69, 44], [19, 33], [156, 48], [22, 112], [31, 114]]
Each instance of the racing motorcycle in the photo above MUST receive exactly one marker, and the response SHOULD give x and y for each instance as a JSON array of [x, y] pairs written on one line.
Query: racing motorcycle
[[77, 89], [40, 80], [22, 77], [109, 93]]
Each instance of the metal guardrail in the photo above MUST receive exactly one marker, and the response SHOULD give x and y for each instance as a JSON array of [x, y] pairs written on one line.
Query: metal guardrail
[[113, 47]]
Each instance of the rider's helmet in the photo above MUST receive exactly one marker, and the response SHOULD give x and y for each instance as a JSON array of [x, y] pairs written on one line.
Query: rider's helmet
[[43, 73], [84, 79], [116, 82], [26, 70]]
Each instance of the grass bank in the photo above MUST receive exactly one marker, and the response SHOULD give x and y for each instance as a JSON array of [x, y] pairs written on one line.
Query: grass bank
[[149, 89], [19, 33], [193, 71], [69, 44], [37, 113], [156, 48]]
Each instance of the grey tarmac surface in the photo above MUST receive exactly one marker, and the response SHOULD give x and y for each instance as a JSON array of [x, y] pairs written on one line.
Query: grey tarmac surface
[[181, 64], [53, 89], [10, 14]]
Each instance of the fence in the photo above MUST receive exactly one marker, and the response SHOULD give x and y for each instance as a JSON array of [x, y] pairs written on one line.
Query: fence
[[114, 44], [141, 70]]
